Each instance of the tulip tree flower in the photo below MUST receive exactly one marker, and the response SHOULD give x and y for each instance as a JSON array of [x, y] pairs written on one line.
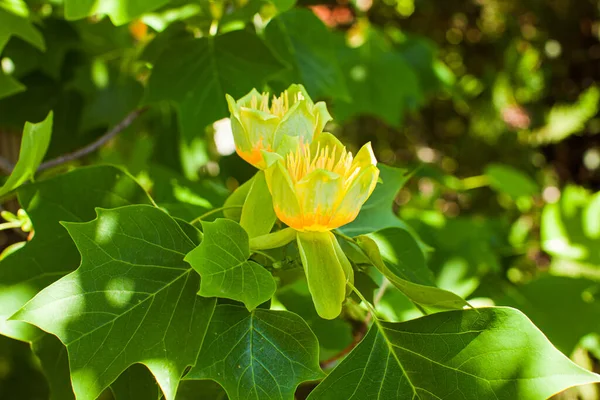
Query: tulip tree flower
[[260, 126], [274, 125], [317, 188]]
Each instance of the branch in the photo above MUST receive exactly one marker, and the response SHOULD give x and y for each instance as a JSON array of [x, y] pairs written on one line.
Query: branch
[[94, 145], [7, 167]]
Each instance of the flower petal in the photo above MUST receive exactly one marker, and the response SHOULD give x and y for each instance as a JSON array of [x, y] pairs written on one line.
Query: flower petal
[[318, 194], [259, 124], [285, 201], [364, 157], [354, 197], [324, 272], [322, 117], [246, 101], [298, 121], [296, 88]]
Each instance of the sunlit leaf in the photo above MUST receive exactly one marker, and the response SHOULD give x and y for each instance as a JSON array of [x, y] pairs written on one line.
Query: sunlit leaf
[[257, 355], [222, 262], [132, 300], [51, 253], [553, 314], [489, 353]]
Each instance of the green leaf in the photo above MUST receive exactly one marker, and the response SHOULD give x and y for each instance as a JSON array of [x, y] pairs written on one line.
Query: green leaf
[[222, 262], [136, 383], [258, 216], [9, 85], [51, 253], [15, 25], [304, 42], [196, 74], [570, 228], [36, 138], [404, 255], [381, 82], [377, 212], [565, 319], [257, 355], [488, 353], [506, 179], [564, 120], [132, 300], [120, 12]]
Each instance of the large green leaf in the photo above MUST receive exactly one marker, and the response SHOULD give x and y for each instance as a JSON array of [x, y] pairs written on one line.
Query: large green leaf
[[564, 318], [305, 43], [222, 262], [120, 12], [488, 353], [404, 258], [51, 253], [132, 300], [36, 138], [259, 355], [196, 74], [381, 82], [377, 212]]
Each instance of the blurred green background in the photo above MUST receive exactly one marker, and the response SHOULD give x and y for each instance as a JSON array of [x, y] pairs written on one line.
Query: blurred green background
[[492, 104]]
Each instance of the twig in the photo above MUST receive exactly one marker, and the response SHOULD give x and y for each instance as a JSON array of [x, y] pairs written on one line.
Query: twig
[[96, 144], [359, 334], [7, 167]]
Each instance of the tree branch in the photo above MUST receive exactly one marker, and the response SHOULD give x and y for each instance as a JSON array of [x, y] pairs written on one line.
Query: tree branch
[[94, 145], [7, 167]]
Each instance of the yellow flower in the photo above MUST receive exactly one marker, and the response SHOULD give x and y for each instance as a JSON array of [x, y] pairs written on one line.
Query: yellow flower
[[277, 126], [321, 186]]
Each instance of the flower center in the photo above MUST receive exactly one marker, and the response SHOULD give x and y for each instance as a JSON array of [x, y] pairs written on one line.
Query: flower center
[[302, 162], [279, 105]]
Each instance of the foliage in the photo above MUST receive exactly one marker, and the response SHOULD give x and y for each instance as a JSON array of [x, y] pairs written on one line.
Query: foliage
[[441, 242]]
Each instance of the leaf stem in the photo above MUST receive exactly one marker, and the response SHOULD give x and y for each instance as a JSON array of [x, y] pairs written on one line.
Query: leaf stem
[[262, 253], [359, 294], [211, 212], [345, 237]]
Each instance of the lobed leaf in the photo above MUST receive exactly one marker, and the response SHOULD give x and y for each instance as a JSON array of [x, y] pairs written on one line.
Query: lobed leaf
[[132, 300], [488, 353], [222, 262], [263, 354]]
